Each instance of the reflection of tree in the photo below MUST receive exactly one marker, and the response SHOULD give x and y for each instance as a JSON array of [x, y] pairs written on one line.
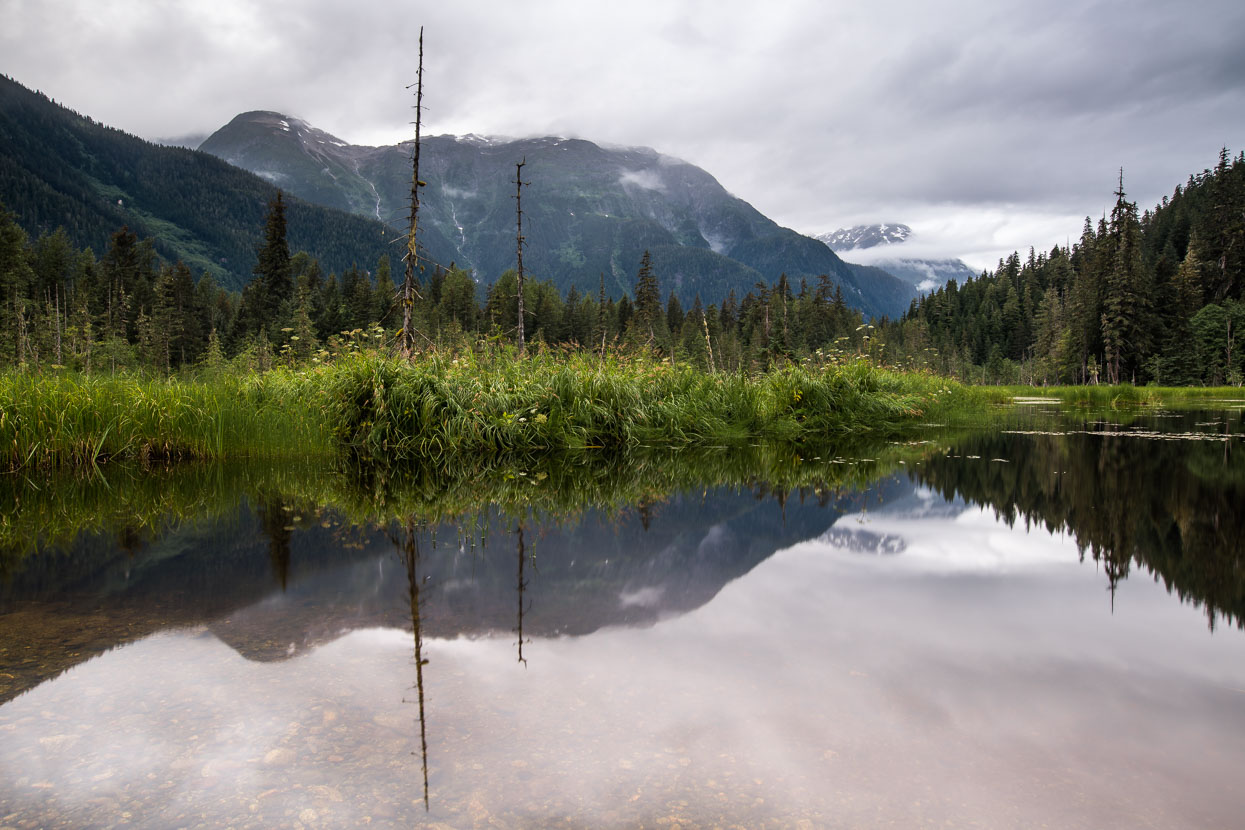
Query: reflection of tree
[[1170, 506], [408, 550], [274, 518], [522, 585]]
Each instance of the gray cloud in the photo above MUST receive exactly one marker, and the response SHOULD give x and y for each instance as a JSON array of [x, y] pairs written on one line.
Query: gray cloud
[[820, 114]]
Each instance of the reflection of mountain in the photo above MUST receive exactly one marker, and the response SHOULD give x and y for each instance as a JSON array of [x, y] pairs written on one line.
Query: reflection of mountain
[[654, 561], [1171, 506], [282, 577], [863, 541]]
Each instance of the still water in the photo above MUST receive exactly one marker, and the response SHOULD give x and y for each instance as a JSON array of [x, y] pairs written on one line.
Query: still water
[[1030, 625]]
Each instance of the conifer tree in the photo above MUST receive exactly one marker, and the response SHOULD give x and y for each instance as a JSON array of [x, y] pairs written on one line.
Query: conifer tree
[[1126, 299], [647, 300], [273, 266]]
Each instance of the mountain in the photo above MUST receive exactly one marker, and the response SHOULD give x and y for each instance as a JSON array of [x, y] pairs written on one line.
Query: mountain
[[923, 274], [865, 236], [589, 210], [62, 169]]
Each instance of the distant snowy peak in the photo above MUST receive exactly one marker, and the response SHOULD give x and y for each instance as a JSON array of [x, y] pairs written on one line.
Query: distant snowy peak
[[865, 236], [924, 273]]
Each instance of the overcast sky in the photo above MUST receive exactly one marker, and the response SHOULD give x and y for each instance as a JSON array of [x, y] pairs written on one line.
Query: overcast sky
[[986, 125]]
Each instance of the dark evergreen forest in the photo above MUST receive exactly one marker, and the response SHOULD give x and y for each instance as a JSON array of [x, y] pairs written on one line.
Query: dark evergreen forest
[[63, 306], [1140, 298]]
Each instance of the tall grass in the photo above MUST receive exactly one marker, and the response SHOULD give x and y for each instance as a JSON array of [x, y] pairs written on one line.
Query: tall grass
[[490, 404], [70, 420], [380, 409]]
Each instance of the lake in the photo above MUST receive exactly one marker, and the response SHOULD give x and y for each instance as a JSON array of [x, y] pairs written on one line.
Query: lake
[[1033, 622]]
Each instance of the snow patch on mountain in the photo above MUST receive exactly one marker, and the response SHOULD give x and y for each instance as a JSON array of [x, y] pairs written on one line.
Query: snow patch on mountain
[[865, 236], [895, 249]]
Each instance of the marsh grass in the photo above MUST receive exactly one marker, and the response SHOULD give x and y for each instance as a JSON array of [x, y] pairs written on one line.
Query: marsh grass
[[63, 420], [492, 404], [376, 409]]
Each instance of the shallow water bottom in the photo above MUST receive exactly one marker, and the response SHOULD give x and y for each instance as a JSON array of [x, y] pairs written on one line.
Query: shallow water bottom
[[981, 679]]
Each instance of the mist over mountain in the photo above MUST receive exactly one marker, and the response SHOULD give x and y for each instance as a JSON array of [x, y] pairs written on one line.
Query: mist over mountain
[[884, 242], [589, 210]]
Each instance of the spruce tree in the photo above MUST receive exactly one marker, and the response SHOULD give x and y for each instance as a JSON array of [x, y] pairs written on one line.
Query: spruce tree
[[273, 268], [647, 300]]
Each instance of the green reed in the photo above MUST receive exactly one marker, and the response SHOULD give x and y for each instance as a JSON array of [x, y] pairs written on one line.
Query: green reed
[[386, 410], [381, 409], [69, 420]]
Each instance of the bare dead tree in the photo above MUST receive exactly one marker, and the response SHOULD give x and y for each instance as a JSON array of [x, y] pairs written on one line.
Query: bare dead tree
[[601, 312], [518, 204], [406, 339], [708, 343]]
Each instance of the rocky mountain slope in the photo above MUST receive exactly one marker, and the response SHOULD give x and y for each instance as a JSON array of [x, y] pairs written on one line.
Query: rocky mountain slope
[[589, 210]]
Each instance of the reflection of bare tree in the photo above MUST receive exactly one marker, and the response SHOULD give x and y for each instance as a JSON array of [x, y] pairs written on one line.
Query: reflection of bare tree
[[521, 586], [408, 549], [274, 517]]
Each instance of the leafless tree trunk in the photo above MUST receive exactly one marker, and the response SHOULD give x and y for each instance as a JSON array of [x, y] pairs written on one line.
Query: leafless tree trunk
[[409, 291], [518, 204]]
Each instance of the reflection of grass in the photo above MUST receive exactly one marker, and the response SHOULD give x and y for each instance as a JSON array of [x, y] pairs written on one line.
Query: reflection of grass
[[135, 502], [132, 500], [1125, 395]]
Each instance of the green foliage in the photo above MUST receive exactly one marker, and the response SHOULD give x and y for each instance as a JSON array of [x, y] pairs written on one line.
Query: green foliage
[[489, 404], [1138, 299], [59, 169], [66, 419]]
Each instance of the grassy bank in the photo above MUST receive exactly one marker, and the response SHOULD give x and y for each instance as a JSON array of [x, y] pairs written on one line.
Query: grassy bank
[[495, 405], [70, 420], [379, 409]]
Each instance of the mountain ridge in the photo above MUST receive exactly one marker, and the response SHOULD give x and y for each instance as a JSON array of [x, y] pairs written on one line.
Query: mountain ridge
[[59, 168], [590, 210]]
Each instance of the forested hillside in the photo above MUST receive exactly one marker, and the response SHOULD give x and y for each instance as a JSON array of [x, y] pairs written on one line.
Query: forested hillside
[[63, 307], [59, 169], [1149, 297]]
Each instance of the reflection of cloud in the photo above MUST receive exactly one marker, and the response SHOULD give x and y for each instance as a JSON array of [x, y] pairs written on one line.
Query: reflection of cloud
[[880, 690], [642, 597]]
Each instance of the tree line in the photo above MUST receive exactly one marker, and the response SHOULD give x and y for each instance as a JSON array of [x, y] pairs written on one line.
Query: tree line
[[1150, 297], [1141, 297], [129, 309]]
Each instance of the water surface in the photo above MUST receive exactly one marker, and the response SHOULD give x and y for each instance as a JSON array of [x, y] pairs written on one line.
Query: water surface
[[1039, 624]]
